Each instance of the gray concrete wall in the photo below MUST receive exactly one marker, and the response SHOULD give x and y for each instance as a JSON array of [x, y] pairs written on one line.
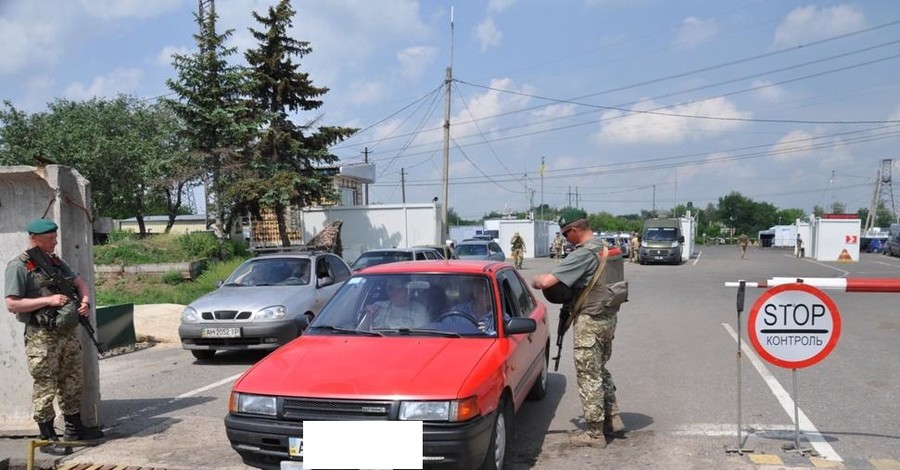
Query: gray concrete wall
[[60, 194]]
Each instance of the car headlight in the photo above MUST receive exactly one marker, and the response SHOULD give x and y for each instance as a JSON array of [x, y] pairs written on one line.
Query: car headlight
[[643, 244], [254, 404], [190, 315], [675, 244], [446, 410], [275, 312]]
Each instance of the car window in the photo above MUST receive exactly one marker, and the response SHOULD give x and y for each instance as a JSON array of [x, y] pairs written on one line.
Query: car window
[[495, 248], [372, 258], [271, 272], [431, 255], [517, 299], [471, 250], [420, 256], [339, 269]]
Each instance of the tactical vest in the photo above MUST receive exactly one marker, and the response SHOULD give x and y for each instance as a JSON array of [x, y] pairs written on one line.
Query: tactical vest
[[63, 318]]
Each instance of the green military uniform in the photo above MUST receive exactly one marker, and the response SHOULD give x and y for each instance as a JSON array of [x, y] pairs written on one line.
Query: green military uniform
[[54, 355], [558, 244], [594, 331], [518, 250]]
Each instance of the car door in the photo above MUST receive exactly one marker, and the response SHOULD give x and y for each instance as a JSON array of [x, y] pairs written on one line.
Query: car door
[[525, 350]]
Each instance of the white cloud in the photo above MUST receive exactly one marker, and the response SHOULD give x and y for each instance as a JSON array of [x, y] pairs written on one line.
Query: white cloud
[[488, 34], [114, 9], [795, 144], [164, 58], [116, 82], [25, 43], [895, 116], [415, 60], [769, 92], [365, 92], [695, 31], [499, 5], [806, 24], [476, 117], [546, 117], [638, 127]]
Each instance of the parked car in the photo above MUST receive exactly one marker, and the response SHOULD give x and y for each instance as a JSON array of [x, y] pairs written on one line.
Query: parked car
[[480, 250], [463, 377], [266, 302], [393, 255], [892, 246], [446, 251]]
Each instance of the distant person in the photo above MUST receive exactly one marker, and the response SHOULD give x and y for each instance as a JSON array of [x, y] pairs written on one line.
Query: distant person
[[875, 246], [559, 244], [518, 250], [743, 242], [799, 246], [635, 247]]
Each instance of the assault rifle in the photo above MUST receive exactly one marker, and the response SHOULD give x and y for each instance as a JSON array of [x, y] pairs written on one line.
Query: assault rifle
[[63, 286], [565, 321]]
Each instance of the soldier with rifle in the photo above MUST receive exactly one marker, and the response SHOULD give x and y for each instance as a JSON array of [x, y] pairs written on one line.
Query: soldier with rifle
[[46, 295], [590, 284]]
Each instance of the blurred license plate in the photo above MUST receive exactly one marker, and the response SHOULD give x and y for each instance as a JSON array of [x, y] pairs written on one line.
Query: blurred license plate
[[221, 333], [295, 447]]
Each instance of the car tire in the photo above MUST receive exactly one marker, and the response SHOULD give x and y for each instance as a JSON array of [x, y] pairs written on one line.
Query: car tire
[[501, 438], [539, 389], [203, 354]]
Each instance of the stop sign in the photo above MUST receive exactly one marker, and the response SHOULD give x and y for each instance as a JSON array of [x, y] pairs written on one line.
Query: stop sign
[[794, 325]]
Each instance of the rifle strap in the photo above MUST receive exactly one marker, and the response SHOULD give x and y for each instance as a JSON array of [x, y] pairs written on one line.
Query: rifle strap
[[576, 310]]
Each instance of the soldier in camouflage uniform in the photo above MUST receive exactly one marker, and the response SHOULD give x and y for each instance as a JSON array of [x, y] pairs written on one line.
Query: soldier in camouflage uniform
[[518, 249], [51, 345], [594, 330], [558, 245]]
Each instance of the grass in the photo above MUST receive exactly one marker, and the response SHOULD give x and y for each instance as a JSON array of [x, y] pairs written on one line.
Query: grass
[[127, 249]]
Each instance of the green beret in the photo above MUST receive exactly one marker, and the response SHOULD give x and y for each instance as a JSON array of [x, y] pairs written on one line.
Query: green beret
[[571, 215], [41, 226]]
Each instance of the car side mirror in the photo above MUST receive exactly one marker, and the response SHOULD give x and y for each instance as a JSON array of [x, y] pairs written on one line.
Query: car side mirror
[[519, 326], [681, 239]]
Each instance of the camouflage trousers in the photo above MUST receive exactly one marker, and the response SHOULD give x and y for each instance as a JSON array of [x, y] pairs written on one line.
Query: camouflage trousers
[[54, 361], [518, 257], [593, 339]]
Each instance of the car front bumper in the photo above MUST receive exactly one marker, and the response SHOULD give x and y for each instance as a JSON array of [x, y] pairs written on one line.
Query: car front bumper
[[263, 443], [253, 335], [661, 255]]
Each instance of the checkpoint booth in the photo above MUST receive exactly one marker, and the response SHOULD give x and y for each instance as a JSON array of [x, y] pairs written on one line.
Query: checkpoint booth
[[834, 237]]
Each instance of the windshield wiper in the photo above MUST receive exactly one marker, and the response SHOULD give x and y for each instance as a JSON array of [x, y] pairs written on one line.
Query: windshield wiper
[[419, 331], [349, 331]]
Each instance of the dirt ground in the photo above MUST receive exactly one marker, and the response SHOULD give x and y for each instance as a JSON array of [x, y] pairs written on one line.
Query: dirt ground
[[159, 322]]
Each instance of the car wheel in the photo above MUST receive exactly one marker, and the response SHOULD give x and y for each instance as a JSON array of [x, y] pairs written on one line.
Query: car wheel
[[501, 438], [203, 354], [539, 389]]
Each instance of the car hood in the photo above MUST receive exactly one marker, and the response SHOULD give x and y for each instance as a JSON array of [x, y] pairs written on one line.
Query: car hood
[[253, 298], [352, 367]]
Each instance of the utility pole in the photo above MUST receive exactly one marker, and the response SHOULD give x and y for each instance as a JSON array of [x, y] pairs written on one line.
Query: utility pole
[[654, 200], [542, 188], [576, 197], [569, 197], [403, 185], [366, 160], [445, 183]]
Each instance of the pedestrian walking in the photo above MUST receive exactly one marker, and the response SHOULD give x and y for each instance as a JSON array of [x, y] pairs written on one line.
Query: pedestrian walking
[[743, 241], [518, 250]]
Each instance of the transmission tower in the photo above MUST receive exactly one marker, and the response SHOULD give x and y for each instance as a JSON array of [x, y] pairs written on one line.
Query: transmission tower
[[883, 194]]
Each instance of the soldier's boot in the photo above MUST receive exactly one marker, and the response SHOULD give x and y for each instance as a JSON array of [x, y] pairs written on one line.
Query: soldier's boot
[[613, 425], [591, 437], [48, 433], [76, 431]]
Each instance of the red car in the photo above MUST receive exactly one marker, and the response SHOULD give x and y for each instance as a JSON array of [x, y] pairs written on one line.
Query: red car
[[456, 345]]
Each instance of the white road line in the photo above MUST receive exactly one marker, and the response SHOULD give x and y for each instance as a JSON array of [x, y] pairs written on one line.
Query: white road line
[[179, 397], [807, 428], [697, 260]]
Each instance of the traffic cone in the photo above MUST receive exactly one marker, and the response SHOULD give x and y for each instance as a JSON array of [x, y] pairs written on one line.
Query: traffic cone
[[845, 257]]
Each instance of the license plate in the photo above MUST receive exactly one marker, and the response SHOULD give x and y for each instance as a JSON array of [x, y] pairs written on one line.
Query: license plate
[[221, 333], [291, 465], [295, 447], [658, 257]]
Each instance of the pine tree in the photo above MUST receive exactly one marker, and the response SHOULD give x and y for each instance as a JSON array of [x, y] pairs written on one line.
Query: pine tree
[[287, 158]]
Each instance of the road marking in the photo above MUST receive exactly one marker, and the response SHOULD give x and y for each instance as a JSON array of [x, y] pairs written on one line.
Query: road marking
[[191, 393], [808, 429], [844, 272], [697, 260]]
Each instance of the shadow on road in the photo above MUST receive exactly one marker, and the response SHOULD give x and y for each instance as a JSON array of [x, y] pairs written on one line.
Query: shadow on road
[[533, 424], [141, 417], [234, 358]]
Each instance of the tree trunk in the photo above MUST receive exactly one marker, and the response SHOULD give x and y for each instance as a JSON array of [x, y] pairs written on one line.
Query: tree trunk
[[282, 225]]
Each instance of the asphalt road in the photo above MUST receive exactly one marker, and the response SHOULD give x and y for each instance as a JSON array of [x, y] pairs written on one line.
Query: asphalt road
[[674, 363]]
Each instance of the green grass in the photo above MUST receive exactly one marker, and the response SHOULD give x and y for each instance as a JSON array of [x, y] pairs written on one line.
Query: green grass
[[149, 289]]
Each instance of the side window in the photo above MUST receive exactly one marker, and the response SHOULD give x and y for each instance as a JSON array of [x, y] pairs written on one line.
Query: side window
[[523, 294], [338, 268], [420, 256], [495, 248], [509, 305], [322, 268]]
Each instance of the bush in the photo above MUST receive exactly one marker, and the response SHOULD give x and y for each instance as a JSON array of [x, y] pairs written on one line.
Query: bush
[[149, 289], [172, 277], [199, 244]]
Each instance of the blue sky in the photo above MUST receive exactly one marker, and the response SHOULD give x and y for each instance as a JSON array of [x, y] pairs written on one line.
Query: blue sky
[[632, 104]]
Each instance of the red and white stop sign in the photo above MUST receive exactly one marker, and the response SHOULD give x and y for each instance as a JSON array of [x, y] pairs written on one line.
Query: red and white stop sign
[[794, 325]]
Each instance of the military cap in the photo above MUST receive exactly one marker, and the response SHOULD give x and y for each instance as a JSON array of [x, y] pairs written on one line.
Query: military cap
[[571, 215], [41, 226]]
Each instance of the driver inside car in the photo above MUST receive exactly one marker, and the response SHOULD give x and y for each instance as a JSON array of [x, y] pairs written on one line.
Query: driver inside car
[[475, 303]]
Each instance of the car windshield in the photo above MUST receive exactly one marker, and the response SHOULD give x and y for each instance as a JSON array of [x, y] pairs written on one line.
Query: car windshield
[[453, 305], [380, 257], [471, 250], [660, 234], [271, 272]]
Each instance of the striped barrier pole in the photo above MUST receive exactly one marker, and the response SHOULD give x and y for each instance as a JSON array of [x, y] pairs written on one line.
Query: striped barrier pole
[[873, 284]]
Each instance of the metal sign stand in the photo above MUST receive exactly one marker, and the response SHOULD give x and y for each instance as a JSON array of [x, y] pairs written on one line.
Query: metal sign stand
[[740, 308], [795, 446]]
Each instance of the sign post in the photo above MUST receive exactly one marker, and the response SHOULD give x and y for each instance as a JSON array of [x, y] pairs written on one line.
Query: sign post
[[794, 326]]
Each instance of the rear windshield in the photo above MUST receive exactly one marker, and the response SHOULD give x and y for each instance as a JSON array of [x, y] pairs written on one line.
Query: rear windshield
[[381, 257], [468, 250]]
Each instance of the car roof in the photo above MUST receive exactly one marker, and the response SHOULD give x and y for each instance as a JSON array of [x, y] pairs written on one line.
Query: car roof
[[436, 266], [390, 250], [474, 241], [295, 254]]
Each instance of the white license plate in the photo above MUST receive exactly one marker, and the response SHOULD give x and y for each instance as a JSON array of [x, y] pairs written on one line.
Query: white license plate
[[295, 447], [221, 333]]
